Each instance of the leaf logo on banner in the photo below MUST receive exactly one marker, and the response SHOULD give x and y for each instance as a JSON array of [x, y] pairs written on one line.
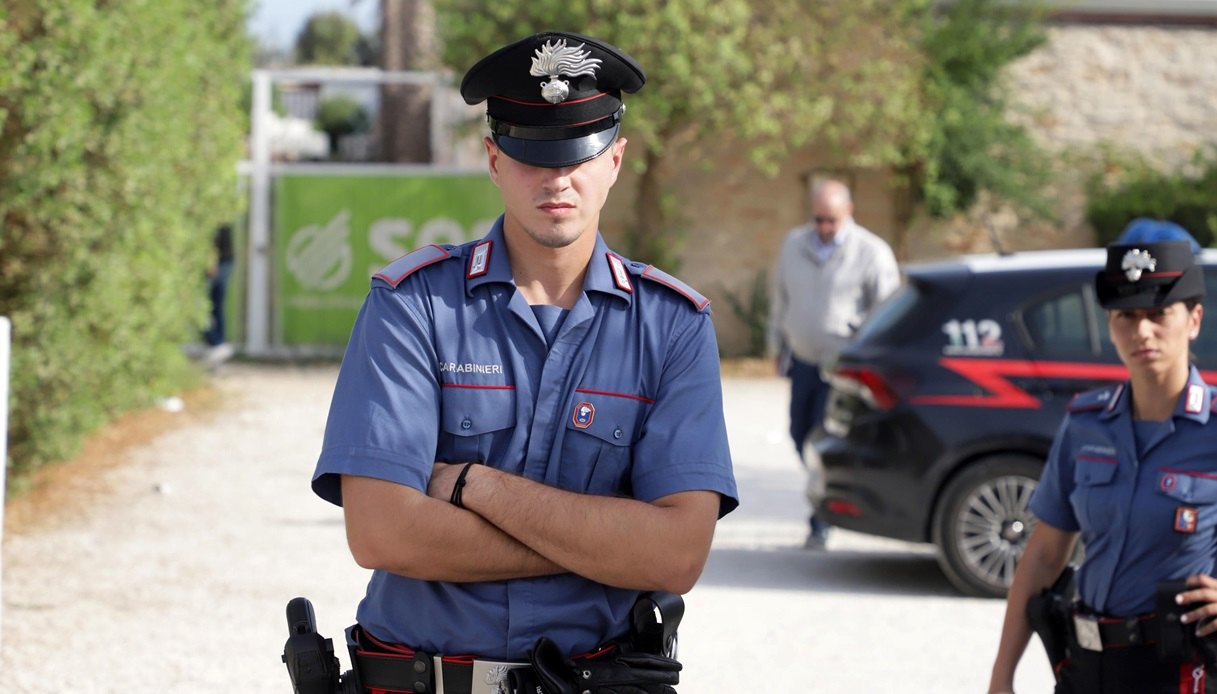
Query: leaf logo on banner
[[318, 257]]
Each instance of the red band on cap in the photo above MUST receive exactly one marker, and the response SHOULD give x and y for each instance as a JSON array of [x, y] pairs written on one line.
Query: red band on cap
[[546, 103]]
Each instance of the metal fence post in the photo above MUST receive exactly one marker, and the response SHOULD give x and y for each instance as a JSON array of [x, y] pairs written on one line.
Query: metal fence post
[[4, 359]]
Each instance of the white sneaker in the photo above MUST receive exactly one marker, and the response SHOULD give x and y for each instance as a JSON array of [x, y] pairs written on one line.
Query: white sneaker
[[219, 354]]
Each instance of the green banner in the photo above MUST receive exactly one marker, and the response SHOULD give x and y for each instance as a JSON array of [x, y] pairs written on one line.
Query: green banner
[[333, 232]]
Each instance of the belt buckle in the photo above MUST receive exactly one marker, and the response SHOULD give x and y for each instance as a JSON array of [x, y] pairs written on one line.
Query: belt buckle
[[486, 676], [1087, 629]]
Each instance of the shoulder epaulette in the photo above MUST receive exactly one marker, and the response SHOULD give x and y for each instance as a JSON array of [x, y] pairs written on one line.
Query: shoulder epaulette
[[656, 275], [412, 262], [1097, 399]]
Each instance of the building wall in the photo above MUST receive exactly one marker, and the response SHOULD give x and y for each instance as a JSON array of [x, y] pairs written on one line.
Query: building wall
[[1149, 88]]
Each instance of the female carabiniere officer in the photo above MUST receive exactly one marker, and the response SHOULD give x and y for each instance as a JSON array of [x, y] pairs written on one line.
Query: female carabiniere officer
[[1133, 473]]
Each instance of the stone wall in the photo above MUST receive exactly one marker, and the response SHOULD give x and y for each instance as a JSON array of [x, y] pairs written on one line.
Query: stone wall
[[1149, 88]]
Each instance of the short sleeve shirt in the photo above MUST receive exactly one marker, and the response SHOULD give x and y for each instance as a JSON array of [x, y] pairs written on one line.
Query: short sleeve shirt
[[1146, 513], [447, 362]]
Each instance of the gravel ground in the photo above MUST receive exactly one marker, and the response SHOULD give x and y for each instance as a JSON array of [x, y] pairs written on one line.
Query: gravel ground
[[166, 567]]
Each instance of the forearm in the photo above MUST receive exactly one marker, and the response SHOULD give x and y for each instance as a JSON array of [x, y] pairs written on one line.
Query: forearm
[[1044, 558], [402, 531], [616, 541]]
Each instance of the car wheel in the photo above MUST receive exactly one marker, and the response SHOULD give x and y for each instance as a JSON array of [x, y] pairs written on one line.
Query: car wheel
[[982, 523]]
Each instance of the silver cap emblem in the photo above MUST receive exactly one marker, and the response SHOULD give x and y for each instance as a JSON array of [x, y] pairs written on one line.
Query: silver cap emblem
[[1136, 262], [556, 59], [497, 679]]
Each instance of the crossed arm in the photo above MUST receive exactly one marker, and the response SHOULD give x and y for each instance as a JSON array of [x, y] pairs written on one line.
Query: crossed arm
[[513, 527]]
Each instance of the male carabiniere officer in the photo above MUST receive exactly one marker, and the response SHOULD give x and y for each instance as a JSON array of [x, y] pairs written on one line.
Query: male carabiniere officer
[[527, 430]]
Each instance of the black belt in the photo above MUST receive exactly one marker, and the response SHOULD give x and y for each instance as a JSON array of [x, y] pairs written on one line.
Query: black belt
[[1096, 632], [413, 672]]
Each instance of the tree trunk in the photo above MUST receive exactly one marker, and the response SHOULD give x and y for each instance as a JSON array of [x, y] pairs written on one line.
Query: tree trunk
[[645, 239], [408, 42]]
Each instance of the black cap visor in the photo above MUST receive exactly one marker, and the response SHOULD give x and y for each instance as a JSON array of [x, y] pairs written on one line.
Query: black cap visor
[[554, 148], [1115, 292]]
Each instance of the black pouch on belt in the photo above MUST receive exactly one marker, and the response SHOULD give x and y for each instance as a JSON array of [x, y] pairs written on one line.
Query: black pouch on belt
[[1176, 640], [624, 671]]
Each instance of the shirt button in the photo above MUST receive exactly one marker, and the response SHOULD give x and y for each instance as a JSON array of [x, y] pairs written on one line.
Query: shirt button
[[617, 433], [466, 423]]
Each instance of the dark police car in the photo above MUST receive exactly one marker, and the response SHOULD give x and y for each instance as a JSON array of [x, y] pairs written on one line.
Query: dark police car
[[944, 406]]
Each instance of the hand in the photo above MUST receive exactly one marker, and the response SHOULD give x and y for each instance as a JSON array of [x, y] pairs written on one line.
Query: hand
[[443, 479], [1201, 589]]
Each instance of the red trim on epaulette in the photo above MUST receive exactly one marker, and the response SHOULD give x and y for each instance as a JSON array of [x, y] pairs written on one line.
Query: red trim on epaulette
[[1092, 403], [1088, 408], [444, 254], [621, 276], [676, 287], [479, 259]]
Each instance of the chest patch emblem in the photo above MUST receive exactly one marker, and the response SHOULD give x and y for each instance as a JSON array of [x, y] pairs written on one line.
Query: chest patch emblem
[[583, 415], [1168, 482], [1185, 519]]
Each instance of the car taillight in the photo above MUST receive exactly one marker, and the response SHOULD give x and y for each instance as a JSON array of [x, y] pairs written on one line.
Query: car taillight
[[869, 384], [842, 507]]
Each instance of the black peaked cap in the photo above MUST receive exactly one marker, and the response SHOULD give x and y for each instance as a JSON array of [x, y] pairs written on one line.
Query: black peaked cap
[[1149, 275], [553, 99]]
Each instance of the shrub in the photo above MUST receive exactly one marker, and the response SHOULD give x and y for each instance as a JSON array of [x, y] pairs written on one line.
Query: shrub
[[1131, 188], [339, 116], [119, 133]]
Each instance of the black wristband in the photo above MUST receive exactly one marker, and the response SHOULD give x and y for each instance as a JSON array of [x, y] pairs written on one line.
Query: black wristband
[[460, 485]]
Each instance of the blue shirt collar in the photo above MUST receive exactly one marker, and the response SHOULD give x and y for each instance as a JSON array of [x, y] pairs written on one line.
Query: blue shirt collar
[[1195, 403], [602, 275]]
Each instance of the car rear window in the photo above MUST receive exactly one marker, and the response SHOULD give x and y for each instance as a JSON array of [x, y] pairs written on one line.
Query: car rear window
[[891, 311], [1059, 326]]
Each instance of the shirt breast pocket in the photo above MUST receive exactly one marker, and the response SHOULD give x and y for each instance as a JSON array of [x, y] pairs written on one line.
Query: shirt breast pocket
[[1094, 491], [1191, 501], [470, 419], [598, 446]]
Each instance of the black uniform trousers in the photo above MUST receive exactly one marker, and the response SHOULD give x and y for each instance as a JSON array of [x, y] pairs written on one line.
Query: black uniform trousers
[[1131, 670]]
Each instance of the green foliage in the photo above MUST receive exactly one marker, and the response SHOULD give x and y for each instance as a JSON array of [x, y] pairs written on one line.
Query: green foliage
[[752, 309], [119, 131], [774, 76], [1129, 187], [332, 38], [971, 145], [341, 115]]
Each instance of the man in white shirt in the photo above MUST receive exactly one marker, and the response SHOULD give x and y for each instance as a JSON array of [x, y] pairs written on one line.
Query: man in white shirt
[[829, 275]]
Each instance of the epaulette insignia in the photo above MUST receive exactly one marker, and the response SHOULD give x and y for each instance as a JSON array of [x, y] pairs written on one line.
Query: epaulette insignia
[[1097, 399], [657, 275], [621, 276], [412, 262], [479, 259], [1194, 404]]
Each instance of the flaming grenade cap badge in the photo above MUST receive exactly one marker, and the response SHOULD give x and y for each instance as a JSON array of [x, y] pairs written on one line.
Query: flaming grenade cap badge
[[555, 60], [1136, 262]]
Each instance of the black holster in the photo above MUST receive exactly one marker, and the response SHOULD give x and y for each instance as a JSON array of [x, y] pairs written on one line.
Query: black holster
[[1049, 613], [644, 662]]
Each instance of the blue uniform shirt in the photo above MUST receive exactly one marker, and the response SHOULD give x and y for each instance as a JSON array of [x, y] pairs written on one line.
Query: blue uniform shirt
[[1146, 510], [447, 362]]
